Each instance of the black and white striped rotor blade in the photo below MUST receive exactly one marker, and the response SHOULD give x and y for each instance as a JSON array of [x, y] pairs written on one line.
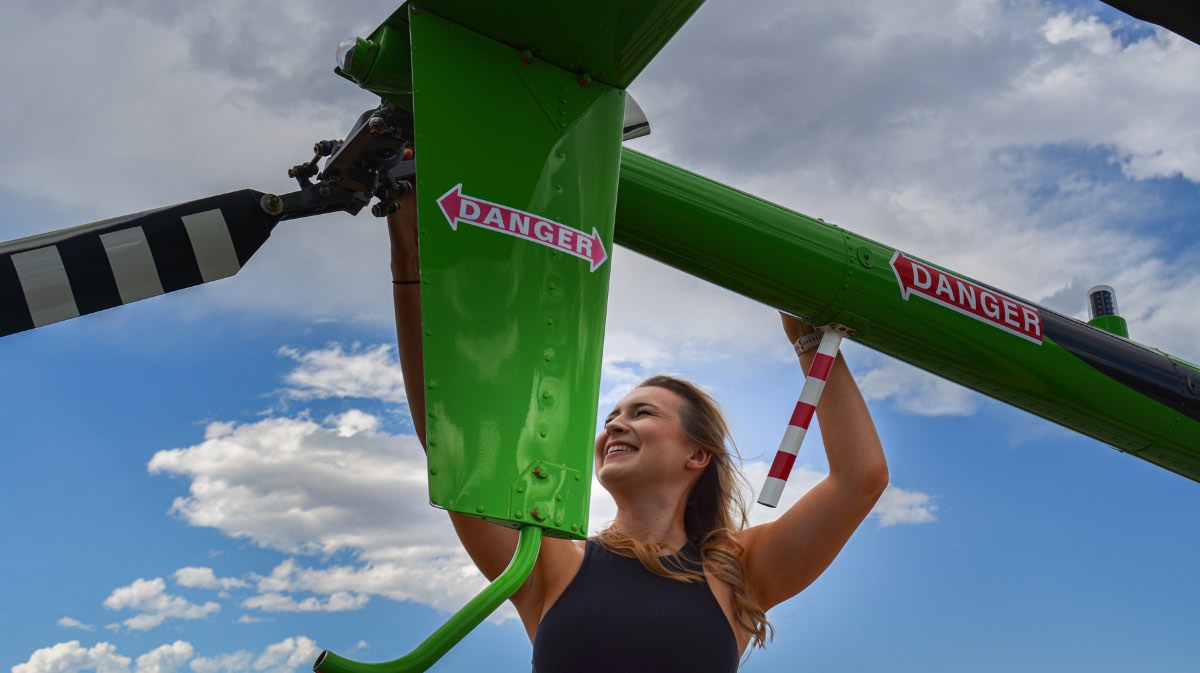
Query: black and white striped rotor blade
[[72, 272]]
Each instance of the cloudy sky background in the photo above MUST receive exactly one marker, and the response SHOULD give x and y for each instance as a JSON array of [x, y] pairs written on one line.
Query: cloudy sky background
[[225, 479]]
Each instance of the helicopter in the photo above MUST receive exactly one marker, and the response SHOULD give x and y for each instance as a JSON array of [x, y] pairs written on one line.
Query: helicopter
[[313, 199]]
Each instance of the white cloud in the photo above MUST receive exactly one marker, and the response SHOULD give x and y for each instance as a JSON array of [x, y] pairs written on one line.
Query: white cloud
[[155, 605], [71, 657], [916, 392], [234, 662], [300, 487], [289, 655], [286, 655], [306, 488], [165, 658], [897, 505], [361, 372], [338, 601], [72, 623], [296, 653], [205, 578]]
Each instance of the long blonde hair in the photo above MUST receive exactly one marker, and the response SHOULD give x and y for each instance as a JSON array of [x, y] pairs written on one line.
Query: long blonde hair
[[715, 511]]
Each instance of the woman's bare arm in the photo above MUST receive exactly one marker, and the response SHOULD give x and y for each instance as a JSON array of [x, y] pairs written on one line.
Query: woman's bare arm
[[785, 556]]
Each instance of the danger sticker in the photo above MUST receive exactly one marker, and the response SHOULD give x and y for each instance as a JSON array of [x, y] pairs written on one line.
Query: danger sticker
[[972, 299], [459, 207]]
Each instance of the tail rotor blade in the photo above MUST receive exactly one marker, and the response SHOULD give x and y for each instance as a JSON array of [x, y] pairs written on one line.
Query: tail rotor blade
[[71, 272]]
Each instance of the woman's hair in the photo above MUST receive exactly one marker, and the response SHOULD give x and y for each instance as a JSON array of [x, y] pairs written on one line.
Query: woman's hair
[[715, 510]]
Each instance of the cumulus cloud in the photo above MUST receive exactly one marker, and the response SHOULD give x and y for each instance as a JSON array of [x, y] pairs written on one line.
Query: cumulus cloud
[[205, 578], [304, 488], [71, 657], [298, 486], [338, 601], [150, 599], [165, 658], [286, 656], [72, 623], [360, 372]]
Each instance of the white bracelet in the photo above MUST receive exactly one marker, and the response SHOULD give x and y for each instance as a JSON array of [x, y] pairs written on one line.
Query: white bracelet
[[807, 342]]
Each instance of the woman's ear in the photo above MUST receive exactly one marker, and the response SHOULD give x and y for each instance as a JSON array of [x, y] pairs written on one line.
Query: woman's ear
[[699, 459]]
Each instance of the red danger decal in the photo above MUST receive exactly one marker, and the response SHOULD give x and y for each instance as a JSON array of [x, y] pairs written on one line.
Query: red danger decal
[[972, 299], [459, 207]]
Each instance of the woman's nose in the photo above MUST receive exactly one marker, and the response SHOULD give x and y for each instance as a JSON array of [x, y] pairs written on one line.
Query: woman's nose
[[614, 426]]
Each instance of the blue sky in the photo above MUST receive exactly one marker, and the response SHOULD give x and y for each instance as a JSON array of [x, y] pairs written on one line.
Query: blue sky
[[164, 504]]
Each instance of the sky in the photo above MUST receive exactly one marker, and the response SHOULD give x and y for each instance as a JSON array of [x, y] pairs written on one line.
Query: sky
[[225, 478]]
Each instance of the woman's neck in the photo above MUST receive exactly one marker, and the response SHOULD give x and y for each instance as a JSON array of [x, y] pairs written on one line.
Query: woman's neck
[[652, 522]]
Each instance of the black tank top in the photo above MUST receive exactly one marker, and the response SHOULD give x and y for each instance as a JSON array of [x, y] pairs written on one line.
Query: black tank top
[[617, 617]]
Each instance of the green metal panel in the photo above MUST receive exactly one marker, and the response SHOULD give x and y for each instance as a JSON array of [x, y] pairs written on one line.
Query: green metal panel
[[827, 274], [517, 177], [609, 41]]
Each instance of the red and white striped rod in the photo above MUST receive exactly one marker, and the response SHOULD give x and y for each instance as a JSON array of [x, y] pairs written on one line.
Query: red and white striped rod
[[802, 416]]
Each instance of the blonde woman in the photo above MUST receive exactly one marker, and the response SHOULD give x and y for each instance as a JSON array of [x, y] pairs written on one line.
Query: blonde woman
[[678, 582]]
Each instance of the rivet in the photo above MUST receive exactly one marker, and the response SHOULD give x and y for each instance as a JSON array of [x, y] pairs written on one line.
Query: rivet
[[553, 286], [563, 100], [537, 514], [520, 488], [577, 477], [546, 395], [428, 332], [558, 521], [558, 498], [519, 515], [549, 321], [433, 470], [574, 527], [432, 442], [480, 508], [432, 384], [542, 433], [432, 414]]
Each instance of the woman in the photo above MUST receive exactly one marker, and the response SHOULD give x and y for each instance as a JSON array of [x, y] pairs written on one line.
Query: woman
[[677, 582]]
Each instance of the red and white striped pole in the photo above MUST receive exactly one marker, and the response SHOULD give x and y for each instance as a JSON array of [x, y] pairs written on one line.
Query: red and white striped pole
[[802, 416]]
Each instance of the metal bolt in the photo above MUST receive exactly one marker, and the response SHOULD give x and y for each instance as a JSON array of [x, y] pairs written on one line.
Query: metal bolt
[[540, 472], [479, 508], [520, 488], [537, 514]]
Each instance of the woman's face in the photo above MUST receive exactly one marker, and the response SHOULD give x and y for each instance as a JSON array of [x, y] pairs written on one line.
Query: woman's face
[[643, 440]]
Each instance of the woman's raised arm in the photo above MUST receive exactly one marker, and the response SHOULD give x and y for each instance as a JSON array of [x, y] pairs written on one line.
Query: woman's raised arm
[[785, 556]]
